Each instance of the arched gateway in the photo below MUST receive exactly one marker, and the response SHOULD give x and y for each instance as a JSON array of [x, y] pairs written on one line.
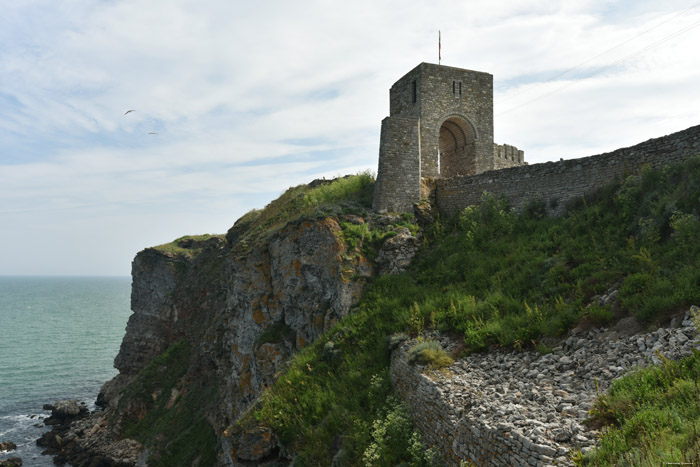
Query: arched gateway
[[440, 124], [456, 147]]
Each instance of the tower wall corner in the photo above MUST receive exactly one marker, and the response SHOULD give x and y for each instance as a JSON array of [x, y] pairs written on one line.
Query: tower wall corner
[[399, 172]]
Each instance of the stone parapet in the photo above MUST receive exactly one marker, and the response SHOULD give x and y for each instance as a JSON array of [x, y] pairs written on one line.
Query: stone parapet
[[557, 183], [505, 155]]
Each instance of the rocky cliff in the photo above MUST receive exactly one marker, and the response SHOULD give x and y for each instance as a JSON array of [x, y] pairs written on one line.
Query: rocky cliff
[[214, 320]]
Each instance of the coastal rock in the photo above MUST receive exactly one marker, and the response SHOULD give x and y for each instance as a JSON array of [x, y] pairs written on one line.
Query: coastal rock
[[90, 441], [110, 391], [11, 462], [148, 329], [64, 411], [7, 446], [242, 309]]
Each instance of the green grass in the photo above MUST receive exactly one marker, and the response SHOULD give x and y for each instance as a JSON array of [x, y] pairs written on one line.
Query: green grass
[[188, 246], [429, 353], [357, 189], [173, 424], [351, 194], [651, 417], [497, 279]]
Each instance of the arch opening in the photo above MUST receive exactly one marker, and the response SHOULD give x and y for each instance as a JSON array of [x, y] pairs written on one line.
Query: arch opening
[[457, 148]]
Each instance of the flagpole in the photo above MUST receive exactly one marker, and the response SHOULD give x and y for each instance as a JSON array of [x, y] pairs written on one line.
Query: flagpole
[[439, 47]]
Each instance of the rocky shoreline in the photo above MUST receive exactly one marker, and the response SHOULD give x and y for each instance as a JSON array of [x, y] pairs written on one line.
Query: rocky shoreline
[[7, 446], [531, 407], [84, 438]]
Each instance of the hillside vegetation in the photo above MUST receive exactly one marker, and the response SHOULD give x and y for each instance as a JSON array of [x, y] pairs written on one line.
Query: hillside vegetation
[[499, 279]]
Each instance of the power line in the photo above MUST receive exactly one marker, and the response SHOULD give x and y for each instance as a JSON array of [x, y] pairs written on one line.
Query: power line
[[607, 67]]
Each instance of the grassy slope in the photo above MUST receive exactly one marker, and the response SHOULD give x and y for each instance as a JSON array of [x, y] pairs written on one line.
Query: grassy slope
[[498, 279]]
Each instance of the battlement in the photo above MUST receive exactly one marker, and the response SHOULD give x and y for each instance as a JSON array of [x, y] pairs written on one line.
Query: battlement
[[505, 155]]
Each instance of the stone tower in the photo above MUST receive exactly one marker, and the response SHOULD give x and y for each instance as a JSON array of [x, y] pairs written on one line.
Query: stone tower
[[440, 124]]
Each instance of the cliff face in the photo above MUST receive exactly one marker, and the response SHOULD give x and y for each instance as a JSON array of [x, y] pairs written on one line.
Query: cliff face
[[243, 311]]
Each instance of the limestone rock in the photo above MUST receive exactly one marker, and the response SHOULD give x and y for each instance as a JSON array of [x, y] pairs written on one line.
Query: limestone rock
[[155, 277], [397, 252], [423, 211], [65, 409], [244, 312], [256, 445]]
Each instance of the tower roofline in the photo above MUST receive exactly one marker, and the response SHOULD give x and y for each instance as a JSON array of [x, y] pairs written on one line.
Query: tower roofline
[[435, 66]]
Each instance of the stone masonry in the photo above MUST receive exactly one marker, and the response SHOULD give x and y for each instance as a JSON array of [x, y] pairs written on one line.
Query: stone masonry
[[523, 408], [440, 125], [556, 183]]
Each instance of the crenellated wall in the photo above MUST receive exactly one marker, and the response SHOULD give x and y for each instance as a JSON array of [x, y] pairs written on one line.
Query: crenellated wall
[[556, 183], [505, 155]]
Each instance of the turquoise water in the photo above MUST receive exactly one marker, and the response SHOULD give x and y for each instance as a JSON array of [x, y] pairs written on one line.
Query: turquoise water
[[58, 340]]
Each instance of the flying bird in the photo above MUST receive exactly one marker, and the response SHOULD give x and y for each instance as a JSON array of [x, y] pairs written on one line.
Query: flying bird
[[152, 133], [129, 111]]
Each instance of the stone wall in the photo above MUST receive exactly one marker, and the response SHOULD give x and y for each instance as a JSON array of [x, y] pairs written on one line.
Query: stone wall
[[556, 183], [399, 171], [527, 409], [458, 438], [404, 95], [505, 155], [465, 94]]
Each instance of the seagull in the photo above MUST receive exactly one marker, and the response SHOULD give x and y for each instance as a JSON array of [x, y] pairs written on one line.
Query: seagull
[[153, 133], [129, 111]]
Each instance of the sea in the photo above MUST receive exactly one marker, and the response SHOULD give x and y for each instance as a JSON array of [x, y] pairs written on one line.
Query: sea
[[58, 340]]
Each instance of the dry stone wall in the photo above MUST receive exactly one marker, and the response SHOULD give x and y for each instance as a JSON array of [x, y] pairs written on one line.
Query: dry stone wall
[[556, 183], [523, 408]]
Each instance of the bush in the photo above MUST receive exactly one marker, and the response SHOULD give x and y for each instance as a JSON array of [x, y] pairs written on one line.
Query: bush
[[429, 353], [395, 442]]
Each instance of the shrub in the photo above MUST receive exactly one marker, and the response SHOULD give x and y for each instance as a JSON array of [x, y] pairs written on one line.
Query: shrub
[[276, 333], [429, 353], [395, 442], [599, 315]]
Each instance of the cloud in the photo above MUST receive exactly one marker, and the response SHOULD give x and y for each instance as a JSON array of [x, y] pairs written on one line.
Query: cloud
[[249, 98]]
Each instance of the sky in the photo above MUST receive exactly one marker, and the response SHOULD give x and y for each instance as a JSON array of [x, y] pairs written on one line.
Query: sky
[[233, 102]]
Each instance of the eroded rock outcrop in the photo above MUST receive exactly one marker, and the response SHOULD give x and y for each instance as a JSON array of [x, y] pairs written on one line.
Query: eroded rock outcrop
[[243, 308]]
